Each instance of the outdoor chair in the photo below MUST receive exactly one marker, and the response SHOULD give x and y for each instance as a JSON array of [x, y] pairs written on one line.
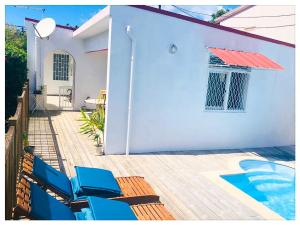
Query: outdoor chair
[[88, 182], [34, 203]]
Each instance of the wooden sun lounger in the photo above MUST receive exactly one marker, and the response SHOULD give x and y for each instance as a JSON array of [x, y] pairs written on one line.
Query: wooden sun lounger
[[134, 188], [150, 211]]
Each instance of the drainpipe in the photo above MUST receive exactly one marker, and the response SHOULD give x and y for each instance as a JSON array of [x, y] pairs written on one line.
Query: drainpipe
[[128, 32]]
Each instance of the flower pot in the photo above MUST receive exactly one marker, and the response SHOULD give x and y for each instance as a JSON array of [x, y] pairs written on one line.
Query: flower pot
[[99, 149]]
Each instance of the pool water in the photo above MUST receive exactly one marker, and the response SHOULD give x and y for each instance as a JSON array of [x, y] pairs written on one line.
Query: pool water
[[270, 183]]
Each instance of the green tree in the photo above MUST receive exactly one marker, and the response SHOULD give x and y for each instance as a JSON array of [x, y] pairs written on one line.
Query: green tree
[[15, 67], [217, 14]]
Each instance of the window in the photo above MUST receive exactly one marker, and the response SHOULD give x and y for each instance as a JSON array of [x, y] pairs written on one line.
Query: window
[[226, 91], [60, 66]]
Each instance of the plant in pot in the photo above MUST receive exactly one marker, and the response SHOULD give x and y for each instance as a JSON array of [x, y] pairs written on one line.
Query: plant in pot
[[93, 126], [27, 148]]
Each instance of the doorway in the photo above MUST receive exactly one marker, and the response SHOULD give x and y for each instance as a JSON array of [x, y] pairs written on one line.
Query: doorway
[[59, 71]]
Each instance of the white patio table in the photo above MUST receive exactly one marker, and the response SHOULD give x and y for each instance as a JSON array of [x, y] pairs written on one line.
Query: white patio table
[[95, 101]]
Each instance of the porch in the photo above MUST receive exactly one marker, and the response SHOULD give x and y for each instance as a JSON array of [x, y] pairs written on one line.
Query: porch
[[188, 182]]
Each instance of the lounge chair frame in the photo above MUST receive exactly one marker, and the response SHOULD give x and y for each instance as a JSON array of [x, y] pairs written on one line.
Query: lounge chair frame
[[134, 188], [150, 211]]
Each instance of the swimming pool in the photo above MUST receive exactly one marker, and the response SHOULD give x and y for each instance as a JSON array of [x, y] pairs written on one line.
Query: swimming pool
[[270, 183]]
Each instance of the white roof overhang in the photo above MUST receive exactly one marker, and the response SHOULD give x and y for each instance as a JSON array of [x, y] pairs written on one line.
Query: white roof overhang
[[97, 24]]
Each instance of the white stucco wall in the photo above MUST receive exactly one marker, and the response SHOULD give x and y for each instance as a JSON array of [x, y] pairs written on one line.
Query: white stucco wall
[[277, 28], [98, 42], [53, 85], [90, 69], [169, 91]]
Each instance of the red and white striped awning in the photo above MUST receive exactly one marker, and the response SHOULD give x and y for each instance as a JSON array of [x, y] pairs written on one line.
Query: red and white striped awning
[[247, 59]]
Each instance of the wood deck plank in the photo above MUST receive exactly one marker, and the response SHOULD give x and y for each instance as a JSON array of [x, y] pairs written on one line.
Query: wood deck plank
[[177, 177]]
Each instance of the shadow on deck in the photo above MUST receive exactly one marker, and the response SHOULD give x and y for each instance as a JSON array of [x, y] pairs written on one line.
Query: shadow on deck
[[41, 134], [278, 153], [182, 179]]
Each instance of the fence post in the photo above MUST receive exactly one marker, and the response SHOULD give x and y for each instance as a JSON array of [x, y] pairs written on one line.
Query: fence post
[[10, 179], [25, 106], [27, 101], [14, 148], [13, 161], [21, 101]]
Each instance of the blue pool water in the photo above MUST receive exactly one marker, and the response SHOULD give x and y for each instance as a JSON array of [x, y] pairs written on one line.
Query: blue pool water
[[270, 183]]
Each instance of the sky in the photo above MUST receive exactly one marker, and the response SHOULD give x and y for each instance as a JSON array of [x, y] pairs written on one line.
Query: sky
[[78, 14]]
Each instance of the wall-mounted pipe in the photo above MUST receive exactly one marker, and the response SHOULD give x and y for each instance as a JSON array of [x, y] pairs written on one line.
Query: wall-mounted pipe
[[129, 34]]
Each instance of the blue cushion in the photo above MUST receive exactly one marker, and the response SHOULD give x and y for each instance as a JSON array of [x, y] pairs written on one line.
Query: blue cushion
[[105, 209], [45, 207], [75, 186], [52, 177], [85, 214], [76, 189], [96, 182]]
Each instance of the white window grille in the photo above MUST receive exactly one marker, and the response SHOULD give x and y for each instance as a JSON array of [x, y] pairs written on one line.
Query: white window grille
[[226, 90], [61, 67]]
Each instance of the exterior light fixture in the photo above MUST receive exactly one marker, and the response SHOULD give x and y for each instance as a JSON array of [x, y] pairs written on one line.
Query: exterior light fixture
[[173, 49]]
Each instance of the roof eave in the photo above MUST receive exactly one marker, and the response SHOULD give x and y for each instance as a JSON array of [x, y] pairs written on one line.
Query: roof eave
[[213, 25], [57, 25], [84, 29]]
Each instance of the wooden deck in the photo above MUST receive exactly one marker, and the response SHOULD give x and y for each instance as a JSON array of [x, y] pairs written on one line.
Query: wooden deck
[[182, 179]]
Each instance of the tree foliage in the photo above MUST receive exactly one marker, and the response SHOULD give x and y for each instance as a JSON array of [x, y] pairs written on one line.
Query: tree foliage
[[217, 14], [15, 67]]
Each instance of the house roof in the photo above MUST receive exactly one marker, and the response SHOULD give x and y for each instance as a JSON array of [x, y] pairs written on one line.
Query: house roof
[[90, 24], [213, 25], [57, 25], [97, 24], [232, 13]]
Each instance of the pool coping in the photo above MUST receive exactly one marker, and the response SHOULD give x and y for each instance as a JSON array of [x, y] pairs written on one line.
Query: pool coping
[[244, 198]]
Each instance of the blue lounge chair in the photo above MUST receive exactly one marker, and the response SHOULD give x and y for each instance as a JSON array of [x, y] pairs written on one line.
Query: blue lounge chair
[[88, 182], [34, 203]]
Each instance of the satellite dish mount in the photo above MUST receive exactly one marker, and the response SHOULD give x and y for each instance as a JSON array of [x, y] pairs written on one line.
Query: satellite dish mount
[[44, 28]]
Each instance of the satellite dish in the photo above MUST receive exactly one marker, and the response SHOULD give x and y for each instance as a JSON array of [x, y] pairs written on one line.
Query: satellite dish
[[45, 27]]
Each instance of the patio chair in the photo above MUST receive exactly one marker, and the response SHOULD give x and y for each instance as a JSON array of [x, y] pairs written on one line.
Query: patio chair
[[88, 182], [34, 203]]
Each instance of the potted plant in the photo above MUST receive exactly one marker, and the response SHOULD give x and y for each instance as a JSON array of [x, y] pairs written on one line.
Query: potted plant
[[93, 125], [27, 148]]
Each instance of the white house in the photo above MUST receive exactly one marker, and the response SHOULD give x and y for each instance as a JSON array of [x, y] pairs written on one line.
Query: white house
[[274, 21], [173, 82]]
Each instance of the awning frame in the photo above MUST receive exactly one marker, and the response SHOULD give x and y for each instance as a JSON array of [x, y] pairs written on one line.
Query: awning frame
[[250, 58], [226, 66]]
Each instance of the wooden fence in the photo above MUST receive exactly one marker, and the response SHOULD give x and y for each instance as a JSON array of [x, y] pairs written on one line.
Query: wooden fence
[[18, 124]]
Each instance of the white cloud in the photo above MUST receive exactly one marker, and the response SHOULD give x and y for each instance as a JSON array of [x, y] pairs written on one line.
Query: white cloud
[[204, 9]]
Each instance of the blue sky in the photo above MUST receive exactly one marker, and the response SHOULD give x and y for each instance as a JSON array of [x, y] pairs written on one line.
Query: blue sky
[[77, 15]]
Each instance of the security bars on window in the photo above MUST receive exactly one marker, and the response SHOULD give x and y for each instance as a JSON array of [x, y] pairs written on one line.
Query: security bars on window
[[60, 67], [226, 91]]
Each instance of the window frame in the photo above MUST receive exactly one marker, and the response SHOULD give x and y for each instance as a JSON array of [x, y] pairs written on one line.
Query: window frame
[[228, 71], [59, 64]]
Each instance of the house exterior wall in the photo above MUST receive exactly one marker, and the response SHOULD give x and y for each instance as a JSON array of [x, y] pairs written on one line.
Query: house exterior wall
[[89, 68], [53, 85], [279, 30], [97, 42], [169, 90]]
